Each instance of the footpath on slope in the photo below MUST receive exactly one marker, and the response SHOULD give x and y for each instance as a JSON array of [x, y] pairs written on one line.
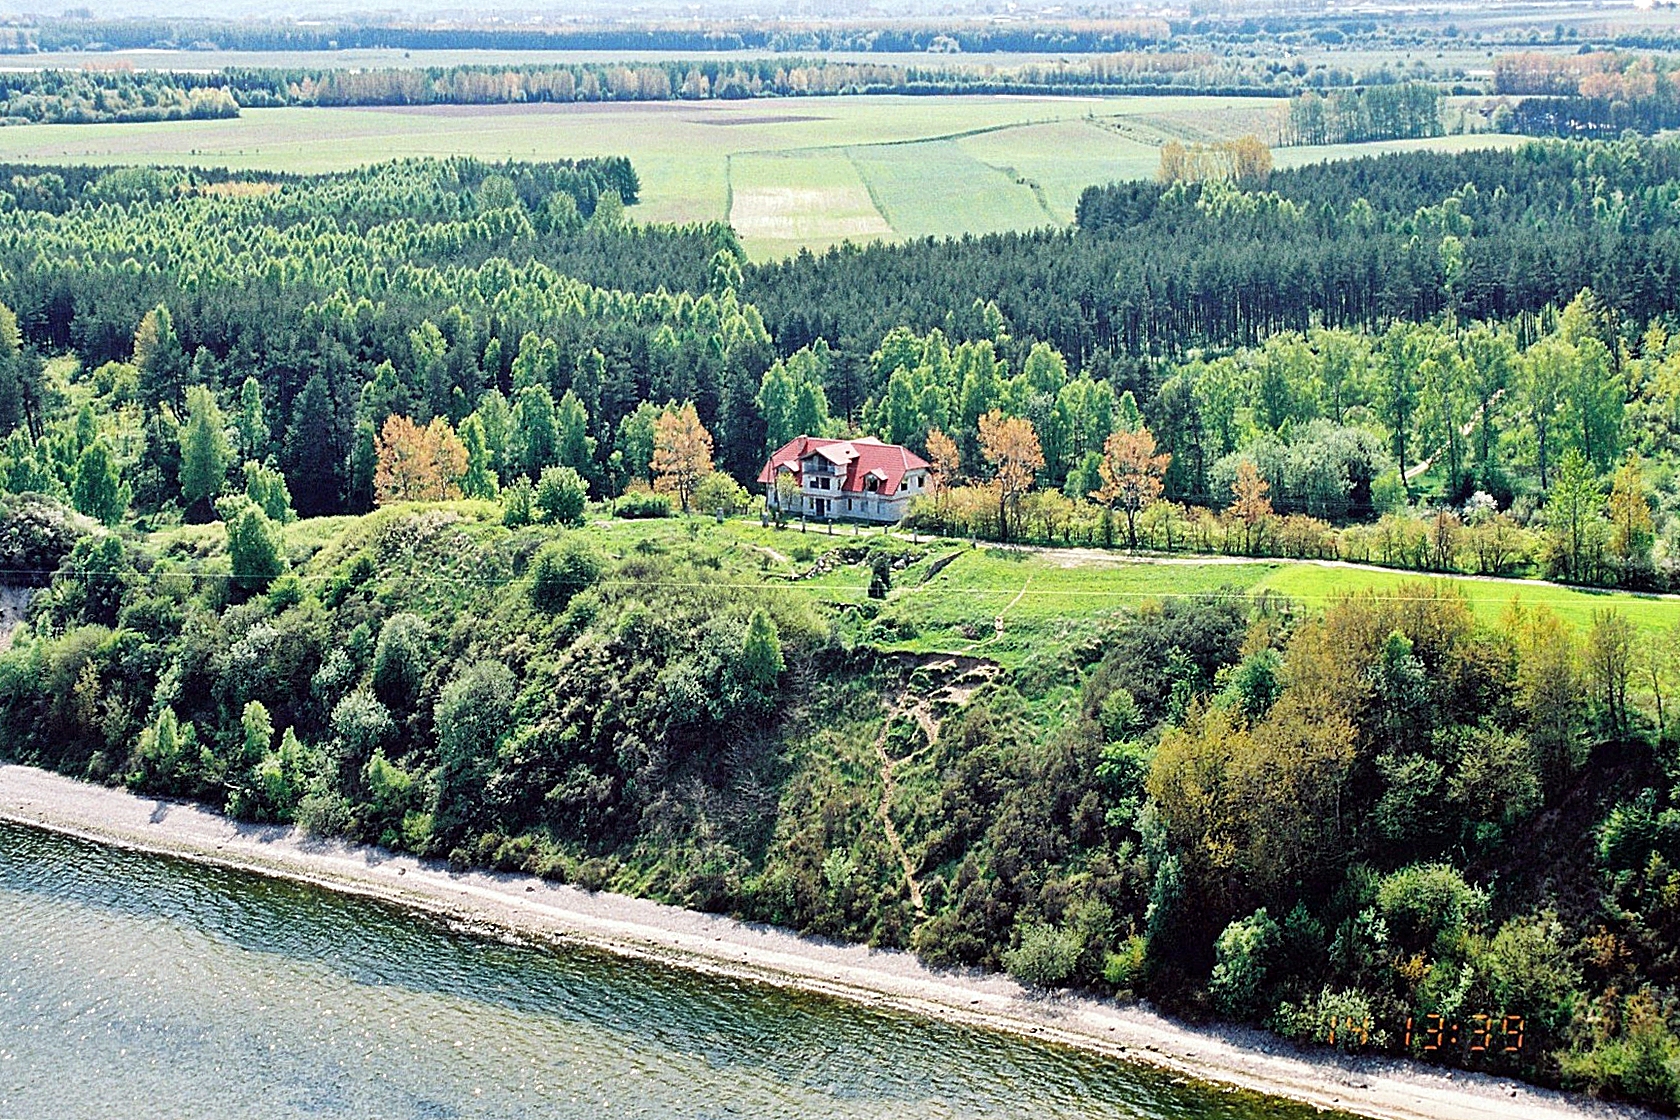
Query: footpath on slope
[[1382, 1088]]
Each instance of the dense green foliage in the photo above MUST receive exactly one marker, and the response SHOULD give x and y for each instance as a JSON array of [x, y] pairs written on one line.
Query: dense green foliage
[[1380, 810], [1377, 807]]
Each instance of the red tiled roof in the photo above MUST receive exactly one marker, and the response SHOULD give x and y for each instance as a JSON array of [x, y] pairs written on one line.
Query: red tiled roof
[[861, 458]]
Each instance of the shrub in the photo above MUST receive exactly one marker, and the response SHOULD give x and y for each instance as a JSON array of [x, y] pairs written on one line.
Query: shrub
[[255, 548], [325, 813], [717, 491], [561, 496], [1045, 957], [517, 498], [1633, 1053], [361, 725], [640, 504], [559, 571], [1243, 953], [1343, 1019], [1429, 903], [399, 660], [36, 534], [1124, 967]]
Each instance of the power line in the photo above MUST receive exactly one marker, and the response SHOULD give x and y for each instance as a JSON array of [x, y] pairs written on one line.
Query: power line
[[1227, 592]]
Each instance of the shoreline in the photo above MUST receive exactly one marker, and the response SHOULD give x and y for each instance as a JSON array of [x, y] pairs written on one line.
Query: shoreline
[[891, 980]]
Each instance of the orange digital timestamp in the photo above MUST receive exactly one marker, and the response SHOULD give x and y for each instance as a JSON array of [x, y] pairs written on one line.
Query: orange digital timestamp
[[1437, 1033]]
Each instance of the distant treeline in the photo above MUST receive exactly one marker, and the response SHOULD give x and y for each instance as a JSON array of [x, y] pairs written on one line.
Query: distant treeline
[[68, 97], [123, 94], [1599, 94], [1158, 269], [1090, 37]]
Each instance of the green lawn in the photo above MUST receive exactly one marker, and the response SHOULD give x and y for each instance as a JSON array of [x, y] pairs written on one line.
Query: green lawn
[[1490, 599], [790, 173]]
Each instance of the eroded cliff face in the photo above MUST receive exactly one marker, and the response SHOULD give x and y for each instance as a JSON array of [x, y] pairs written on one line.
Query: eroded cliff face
[[14, 601]]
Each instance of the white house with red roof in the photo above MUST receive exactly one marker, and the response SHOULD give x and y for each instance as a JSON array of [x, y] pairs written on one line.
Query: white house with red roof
[[841, 479]]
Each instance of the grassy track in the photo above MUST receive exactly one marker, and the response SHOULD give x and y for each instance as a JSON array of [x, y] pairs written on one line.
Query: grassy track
[[806, 172]]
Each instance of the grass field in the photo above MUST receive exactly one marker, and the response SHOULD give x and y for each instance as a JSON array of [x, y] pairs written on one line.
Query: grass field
[[1048, 599], [791, 173], [1045, 600]]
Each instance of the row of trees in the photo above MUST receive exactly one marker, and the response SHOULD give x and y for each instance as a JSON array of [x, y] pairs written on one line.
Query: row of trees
[[1350, 116], [120, 94]]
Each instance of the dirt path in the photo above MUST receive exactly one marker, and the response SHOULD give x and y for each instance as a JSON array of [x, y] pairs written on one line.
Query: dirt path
[[1076, 556], [889, 792], [1380, 1088]]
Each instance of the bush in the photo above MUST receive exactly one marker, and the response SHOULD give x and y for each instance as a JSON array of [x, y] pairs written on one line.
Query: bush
[[255, 547], [1243, 953], [641, 504], [517, 498], [559, 571], [1124, 967], [36, 534], [561, 496], [717, 491], [1343, 1019], [325, 813], [400, 660], [361, 726], [1046, 957], [1429, 904], [1633, 1054]]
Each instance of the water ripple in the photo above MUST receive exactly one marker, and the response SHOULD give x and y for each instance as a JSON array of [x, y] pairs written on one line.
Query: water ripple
[[142, 986]]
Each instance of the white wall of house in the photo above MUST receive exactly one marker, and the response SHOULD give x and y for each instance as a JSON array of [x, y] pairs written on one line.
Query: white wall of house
[[820, 496]]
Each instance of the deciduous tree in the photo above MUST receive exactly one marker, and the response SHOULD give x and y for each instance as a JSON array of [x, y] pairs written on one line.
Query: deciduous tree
[[99, 490], [205, 454], [682, 452], [418, 464], [1251, 506], [1132, 475], [1632, 531], [1011, 447], [254, 548]]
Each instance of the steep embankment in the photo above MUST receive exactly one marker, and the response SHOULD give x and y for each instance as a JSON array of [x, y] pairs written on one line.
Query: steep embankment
[[13, 602], [1387, 1089]]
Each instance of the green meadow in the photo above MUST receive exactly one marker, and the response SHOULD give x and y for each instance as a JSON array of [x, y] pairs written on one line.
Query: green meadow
[[789, 173], [953, 595]]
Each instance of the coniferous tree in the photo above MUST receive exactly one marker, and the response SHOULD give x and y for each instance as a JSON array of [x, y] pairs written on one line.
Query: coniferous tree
[[315, 452]]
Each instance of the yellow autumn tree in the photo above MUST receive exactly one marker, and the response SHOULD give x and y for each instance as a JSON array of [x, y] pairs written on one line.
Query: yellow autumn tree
[[1011, 446], [1251, 506], [415, 464], [1632, 530], [682, 453], [944, 464], [1132, 475]]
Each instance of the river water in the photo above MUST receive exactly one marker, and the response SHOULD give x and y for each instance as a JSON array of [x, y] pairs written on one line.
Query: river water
[[139, 986]]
